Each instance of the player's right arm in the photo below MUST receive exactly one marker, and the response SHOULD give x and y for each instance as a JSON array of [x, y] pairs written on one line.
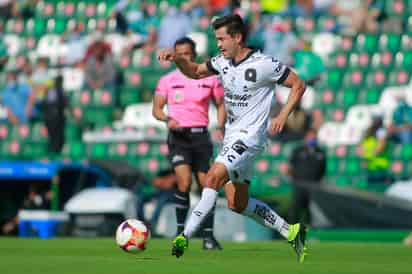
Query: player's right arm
[[190, 69]]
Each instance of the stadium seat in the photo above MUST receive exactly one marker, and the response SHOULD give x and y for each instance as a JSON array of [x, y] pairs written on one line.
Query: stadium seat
[[366, 43], [395, 8], [73, 79], [390, 42]]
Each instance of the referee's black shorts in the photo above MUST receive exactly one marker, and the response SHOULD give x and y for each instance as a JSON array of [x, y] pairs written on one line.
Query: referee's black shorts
[[191, 146]]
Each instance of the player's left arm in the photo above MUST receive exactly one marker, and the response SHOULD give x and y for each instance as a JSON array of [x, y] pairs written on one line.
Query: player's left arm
[[297, 87]]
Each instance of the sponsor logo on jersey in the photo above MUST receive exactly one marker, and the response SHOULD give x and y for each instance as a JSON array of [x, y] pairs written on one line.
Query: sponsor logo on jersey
[[239, 147]]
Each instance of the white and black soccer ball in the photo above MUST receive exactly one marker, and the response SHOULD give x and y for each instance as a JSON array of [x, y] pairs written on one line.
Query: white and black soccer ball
[[132, 236]]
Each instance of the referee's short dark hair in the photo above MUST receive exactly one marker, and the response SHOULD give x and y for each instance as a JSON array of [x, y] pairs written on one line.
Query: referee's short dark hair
[[187, 40], [234, 24]]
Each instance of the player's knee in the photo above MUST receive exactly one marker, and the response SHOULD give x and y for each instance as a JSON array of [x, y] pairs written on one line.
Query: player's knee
[[183, 184]]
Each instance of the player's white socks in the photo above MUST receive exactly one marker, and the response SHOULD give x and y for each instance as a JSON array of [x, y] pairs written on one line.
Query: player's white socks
[[202, 209], [263, 214]]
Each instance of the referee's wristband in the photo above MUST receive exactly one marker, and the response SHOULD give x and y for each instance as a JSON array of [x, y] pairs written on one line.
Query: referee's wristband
[[220, 128]]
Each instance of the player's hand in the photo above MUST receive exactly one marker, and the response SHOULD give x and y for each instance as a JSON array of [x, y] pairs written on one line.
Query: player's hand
[[166, 55], [277, 124], [219, 134], [172, 124]]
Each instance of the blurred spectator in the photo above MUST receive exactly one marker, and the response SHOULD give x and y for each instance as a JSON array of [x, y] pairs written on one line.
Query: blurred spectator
[[8, 213], [200, 8], [165, 187], [308, 65], [18, 99], [97, 44], [375, 152], [274, 7], [100, 70], [53, 110], [41, 71], [4, 57], [182, 26], [307, 166], [136, 16], [401, 127], [26, 72], [280, 41], [8, 9], [296, 126], [76, 42], [35, 199], [358, 16], [27, 8]]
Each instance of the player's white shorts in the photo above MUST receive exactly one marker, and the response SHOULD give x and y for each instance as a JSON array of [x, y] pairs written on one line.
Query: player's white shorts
[[239, 158]]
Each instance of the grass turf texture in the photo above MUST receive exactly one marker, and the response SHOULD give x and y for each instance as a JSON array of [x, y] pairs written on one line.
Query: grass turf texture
[[100, 256]]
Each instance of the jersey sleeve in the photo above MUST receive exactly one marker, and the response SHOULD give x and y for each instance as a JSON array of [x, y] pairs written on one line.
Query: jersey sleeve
[[161, 88], [213, 64], [274, 70]]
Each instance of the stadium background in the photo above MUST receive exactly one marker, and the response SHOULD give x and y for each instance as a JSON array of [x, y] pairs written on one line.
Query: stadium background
[[353, 74]]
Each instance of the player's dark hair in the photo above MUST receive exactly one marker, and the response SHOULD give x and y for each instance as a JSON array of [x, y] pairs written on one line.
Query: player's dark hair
[[234, 24], [186, 40]]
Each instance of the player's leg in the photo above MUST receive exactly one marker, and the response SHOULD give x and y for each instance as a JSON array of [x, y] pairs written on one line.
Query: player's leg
[[215, 179], [209, 240], [184, 179], [180, 158], [202, 154], [239, 201]]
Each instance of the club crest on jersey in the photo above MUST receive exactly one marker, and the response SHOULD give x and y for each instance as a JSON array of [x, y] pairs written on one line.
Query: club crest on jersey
[[239, 147], [178, 96]]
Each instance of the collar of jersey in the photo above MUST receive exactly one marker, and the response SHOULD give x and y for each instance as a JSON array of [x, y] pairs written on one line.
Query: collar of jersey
[[233, 63]]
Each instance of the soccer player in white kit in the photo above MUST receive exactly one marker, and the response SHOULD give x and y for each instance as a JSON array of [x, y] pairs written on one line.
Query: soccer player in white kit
[[249, 79]]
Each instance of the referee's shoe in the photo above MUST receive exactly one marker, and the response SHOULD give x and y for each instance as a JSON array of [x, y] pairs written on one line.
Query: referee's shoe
[[210, 243]]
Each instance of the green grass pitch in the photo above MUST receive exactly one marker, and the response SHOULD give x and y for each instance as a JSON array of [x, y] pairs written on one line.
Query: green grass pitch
[[100, 256]]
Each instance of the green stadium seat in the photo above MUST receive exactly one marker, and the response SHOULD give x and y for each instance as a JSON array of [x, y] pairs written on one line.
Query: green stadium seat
[[352, 166], [369, 96], [376, 79], [331, 166], [353, 78], [360, 60], [334, 78], [390, 42], [129, 96], [399, 77], [74, 150], [366, 43], [384, 60], [305, 25], [102, 98], [38, 133], [404, 59], [325, 24], [395, 8], [117, 151], [97, 150], [34, 150], [347, 98], [340, 60], [4, 132]]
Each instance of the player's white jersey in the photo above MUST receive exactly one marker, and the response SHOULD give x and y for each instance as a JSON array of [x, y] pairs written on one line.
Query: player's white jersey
[[249, 87]]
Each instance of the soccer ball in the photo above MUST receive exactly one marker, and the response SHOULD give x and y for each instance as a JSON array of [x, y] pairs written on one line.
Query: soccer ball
[[132, 236]]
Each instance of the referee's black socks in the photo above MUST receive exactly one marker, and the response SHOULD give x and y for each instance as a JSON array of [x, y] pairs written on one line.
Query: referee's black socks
[[182, 202]]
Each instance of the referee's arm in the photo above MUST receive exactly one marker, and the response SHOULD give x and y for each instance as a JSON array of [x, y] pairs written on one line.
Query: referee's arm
[[158, 105]]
